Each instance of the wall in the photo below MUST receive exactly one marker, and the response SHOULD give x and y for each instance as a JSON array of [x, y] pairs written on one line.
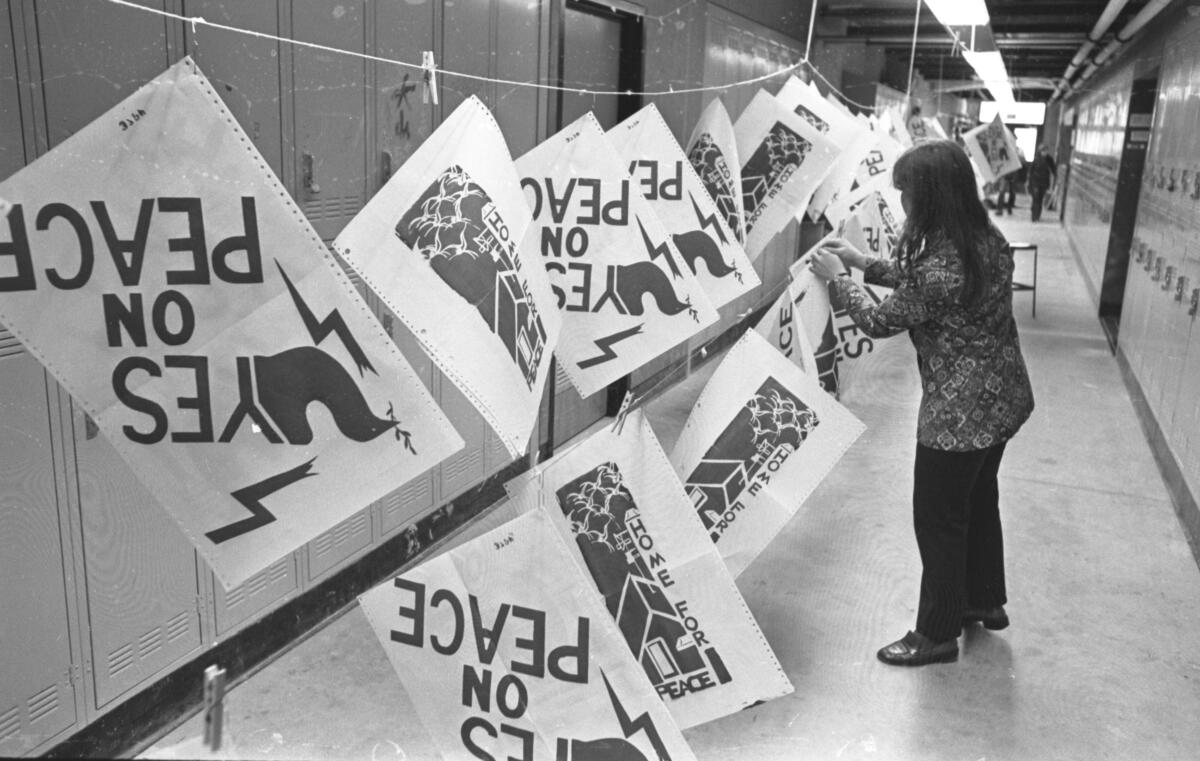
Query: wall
[[106, 606]]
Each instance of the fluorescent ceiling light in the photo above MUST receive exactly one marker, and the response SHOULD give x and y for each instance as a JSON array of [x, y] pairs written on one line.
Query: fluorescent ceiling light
[[990, 68], [959, 12]]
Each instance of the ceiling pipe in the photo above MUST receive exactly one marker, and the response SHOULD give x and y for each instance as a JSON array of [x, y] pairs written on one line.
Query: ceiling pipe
[[1148, 12], [1107, 17]]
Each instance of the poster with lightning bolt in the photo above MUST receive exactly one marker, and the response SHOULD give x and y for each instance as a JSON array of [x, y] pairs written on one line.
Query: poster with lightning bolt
[[784, 159], [712, 150], [664, 176], [851, 139], [507, 655], [440, 244], [761, 437], [162, 274], [620, 507], [624, 291]]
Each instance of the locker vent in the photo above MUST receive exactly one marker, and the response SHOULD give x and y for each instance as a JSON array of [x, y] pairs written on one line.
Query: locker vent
[[456, 467], [43, 704], [249, 588], [416, 491], [120, 659], [178, 626], [10, 722], [340, 534], [333, 208], [150, 642], [279, 571], [9, 345]]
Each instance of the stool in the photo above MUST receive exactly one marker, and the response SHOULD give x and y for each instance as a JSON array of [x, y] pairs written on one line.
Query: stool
[[1031, 287]]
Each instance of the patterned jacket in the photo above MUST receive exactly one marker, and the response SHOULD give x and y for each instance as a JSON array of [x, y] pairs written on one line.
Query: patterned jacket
[[975, 388]]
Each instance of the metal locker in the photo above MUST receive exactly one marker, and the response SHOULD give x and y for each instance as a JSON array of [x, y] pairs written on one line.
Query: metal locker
[[143, 595], [72, 36], [37, 693], [259, 593], [329, 113], [467, 34], [404, 115], [518, 55], [572, 412], [465, 469], [12, 150], [337, 545], [243, 69], [590, 61]]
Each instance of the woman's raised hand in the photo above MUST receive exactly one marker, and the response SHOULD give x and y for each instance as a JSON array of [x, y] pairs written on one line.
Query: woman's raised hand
[[845, 250]]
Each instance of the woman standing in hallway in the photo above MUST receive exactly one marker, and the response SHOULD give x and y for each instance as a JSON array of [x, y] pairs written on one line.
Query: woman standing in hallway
[[953, 294]]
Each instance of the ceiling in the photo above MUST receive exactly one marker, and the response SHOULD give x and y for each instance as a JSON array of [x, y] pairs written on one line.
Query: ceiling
[[1037, 38]]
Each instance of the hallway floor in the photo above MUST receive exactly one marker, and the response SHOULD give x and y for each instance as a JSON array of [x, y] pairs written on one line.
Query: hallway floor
[[1101, 660]]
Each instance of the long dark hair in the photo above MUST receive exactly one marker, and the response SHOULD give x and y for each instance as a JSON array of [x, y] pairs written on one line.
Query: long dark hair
[[943, 198]]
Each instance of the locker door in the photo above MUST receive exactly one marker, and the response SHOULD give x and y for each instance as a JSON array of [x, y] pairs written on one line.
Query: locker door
[[37, 697], [467, 39], [329, 109], [244, 70], [12, 152], [518, 58], [143, 596], [591, 60], [73, 37]]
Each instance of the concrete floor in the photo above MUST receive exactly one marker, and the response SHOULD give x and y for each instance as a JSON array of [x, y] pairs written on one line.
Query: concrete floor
[[1100, 662]]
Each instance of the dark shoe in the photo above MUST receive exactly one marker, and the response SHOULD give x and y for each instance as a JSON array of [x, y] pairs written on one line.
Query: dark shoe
[[915, 649], [994, 619]]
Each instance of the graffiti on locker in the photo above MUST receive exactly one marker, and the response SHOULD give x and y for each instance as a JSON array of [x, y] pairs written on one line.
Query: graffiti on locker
[[459, 231], [632, 577], [696, 246], [760, 438], [710, 164], [769, 167]]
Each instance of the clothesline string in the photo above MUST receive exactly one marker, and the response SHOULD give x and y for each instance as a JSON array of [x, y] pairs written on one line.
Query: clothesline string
[[195, 21]]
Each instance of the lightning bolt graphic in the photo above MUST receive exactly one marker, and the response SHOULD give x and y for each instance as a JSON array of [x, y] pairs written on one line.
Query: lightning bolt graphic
[[663, 249], [707, 222], [604, 344], [333, 323], [643, 723], [251, 498]]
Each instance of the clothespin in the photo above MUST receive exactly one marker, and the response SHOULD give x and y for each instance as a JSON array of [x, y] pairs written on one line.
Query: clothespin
[[430, 69], [623, 412]]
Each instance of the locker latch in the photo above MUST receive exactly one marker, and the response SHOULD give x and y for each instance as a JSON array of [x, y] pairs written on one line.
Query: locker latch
[[1180, 287], [307, 174], [1195, 302], [385, 168], [1168, 278], [1158, 269], [1149, 260], [90, 429]]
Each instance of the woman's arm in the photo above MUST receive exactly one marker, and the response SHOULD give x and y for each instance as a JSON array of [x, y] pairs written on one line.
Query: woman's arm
[[928, 293], [876, 271]]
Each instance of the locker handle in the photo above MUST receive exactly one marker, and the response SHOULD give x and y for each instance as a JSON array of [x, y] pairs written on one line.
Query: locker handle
[[1196, 188], [1195, 302], [1180, 287], [90, 429], [1168, 279], [1149, 260], [308, 174], [385, 167], [1158, 269]]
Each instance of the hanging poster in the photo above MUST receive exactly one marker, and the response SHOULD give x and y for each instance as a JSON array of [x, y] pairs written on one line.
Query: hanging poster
[[506, 654], [873, 173], [812, 309], [851, 139], [712, 149], [440, 244], [624, 291], [783, 161], [619, 505], [993, 148], [162, 274], [761, 437], [665, 178], [783, 329]]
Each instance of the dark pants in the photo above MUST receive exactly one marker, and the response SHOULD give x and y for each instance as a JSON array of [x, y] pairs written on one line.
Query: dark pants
[[956, 513], [1005, 198], [1036, 194]]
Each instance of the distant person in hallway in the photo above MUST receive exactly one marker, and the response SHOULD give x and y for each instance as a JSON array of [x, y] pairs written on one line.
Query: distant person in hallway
[[952, 277], [1007, 195], [1041, 178]]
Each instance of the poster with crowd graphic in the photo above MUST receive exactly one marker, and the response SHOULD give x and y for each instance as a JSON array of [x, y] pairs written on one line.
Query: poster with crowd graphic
[[161, 273], [851, 139], [784, 159], [616, 500], [993, 149], [761, 437], [505, 656], [663, 175], [624, 291], [712, 149], [441, 245]]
